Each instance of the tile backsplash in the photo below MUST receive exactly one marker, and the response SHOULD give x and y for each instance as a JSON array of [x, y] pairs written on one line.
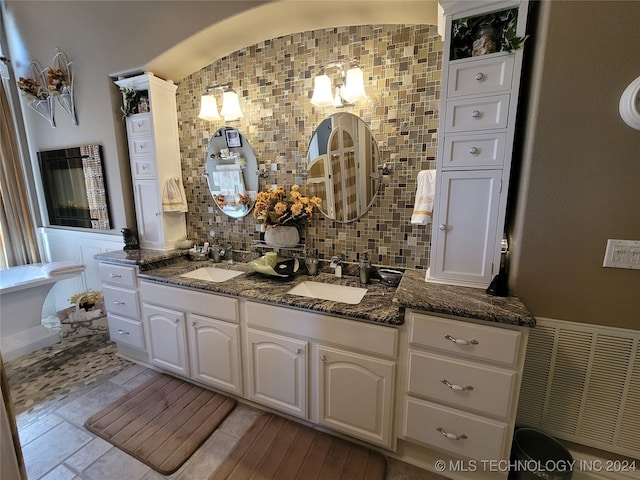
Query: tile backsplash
[[402, 70]]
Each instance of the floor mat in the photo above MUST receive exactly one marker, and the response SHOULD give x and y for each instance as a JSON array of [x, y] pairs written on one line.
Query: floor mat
[[276, 448], [162, 422]]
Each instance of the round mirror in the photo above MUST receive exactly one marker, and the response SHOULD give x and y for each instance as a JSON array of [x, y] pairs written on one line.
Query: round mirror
[[342, 163], [231, 172]]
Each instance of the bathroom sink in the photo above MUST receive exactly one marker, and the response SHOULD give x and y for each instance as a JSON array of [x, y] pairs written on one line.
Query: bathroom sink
[[327, 291], [212, 274]]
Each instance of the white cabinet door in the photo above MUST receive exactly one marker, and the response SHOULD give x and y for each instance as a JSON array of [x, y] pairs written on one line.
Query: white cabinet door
[[148, 212], [167, 338], [278, 371], [465, 223], [214, 348], [356, 394]]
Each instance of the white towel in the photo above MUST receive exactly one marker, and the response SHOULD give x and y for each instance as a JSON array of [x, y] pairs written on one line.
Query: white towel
[[233, 167], [62, 268], [173, 196], [230, 182], [423, 207]]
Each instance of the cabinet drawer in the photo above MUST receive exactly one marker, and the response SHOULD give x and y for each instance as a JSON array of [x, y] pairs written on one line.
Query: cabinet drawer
[[118, 275], [121, 301], [477, 114], [475, 76], [139, 125], [144, 167], [124, 330], [461, 384], [474, 150], [142, 146], [462, 338], [485, 438]]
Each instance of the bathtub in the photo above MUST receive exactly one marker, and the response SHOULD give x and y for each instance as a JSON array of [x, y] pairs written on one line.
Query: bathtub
[[23, 290]]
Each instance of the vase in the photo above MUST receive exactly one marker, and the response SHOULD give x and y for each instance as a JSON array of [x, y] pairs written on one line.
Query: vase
[[281, 236]]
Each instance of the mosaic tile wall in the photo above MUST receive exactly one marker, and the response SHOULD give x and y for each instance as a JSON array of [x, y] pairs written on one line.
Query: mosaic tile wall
[[402, 69]]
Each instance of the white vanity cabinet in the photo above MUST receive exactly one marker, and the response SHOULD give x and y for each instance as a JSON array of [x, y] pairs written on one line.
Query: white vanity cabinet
[[193, 334], [459, 390], [335, 372], [154, 155], [122, 303], [477, 127]]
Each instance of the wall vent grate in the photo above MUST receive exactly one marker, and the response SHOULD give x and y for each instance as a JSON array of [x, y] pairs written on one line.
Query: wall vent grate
[[582, 383]]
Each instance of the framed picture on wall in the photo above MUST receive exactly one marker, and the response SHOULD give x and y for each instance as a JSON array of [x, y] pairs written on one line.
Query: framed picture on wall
[[233, 138]]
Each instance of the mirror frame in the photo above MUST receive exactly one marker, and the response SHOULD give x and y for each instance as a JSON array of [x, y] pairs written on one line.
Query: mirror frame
[[228, 147], [356, 149]]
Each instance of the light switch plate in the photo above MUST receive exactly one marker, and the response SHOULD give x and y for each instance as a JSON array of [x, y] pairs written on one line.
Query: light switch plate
[[622, 254]]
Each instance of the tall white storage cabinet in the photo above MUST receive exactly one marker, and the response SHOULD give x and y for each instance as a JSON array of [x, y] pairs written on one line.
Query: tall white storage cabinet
[[477, 125], [154, 154]]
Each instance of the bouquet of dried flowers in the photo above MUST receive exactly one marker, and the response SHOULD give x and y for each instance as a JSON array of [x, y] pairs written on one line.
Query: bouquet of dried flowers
[[276, 207], [31, 88], [56, 80], [87, 299]]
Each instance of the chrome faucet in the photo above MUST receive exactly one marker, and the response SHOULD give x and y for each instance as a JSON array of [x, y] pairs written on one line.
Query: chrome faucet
[[336, 263]]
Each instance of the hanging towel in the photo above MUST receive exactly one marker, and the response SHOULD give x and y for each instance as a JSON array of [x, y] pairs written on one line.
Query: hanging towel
[[173, 197], [61, 268], [234, 167], [230, 182], [423, 207]]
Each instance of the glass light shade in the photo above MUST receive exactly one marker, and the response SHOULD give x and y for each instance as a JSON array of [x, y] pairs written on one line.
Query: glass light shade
[[353, 90], [208, 108], [230, 106], [322, 95]]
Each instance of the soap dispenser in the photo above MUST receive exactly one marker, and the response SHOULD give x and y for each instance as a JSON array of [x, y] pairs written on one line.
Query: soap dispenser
[[365, 268]]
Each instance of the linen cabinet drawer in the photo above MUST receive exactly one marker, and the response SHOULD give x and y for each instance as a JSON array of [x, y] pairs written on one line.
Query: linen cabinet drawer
[[143, 167], [483, 113], [124, 330], [118, 275], [139, 125], [121, 301], [142, 146], [475, 77], [471, 340], [460, 433], [461, 384], [474, 150]]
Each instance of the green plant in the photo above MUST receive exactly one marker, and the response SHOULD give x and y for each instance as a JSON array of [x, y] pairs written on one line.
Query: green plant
[[465, 30]]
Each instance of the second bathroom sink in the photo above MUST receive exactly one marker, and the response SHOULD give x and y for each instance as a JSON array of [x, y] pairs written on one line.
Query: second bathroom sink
[[327, 291]]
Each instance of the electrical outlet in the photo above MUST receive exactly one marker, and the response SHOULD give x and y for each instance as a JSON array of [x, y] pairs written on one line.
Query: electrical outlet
[[622, 254]]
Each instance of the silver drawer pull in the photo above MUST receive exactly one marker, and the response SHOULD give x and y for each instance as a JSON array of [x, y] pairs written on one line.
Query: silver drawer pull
[[473, 150], [442, 226], [457, 388], [122, 332], [460, 341], [114, 275], [452, 436], [476, 114], [479, 76], [118, 302]]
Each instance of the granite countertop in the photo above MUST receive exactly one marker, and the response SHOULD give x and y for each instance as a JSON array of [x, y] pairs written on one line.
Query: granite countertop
[[376, 306], [380, 305]]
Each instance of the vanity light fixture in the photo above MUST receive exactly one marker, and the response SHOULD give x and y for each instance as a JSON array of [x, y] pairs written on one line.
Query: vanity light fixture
[[230, 104], [349, 86]]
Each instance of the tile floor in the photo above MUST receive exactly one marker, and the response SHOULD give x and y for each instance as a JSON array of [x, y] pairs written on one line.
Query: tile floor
[[57, 388]]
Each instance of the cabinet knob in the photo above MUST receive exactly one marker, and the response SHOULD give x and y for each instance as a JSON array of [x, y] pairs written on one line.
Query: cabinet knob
[[122, 332], [473, 150], [476, 114], [323, 357], [176, 320], [457, 388], [298, 351], [479, 76], [157, 214], [139, 124], [442, 226], [193, 324], [460, 341], [452, 436]]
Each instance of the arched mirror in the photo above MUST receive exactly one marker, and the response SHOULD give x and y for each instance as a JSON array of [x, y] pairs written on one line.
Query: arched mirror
[[231, 172], [342, 163]]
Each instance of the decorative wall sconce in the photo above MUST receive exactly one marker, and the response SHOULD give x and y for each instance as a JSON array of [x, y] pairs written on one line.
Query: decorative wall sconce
[[230, 104], [349, 86]]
